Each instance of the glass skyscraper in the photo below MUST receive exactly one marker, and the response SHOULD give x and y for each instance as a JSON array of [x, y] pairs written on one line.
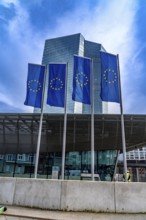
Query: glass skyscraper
[[62, 50]]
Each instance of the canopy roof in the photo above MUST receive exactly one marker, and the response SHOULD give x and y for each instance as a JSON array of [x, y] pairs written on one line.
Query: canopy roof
[[18, 132]]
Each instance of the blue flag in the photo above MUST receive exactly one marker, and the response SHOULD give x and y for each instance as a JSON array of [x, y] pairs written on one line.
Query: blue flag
[[35, 81], [81, 80], [109, 78], [56, 88]]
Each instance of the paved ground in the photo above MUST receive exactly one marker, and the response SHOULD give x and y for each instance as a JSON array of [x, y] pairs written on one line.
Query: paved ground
[[19, 213]]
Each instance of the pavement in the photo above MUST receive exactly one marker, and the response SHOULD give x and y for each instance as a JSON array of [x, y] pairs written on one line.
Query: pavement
[[21, 213]]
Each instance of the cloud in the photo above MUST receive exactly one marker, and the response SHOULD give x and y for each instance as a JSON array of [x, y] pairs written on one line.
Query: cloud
[[6, 99], [7, 3], [21, 47], [111, 23]]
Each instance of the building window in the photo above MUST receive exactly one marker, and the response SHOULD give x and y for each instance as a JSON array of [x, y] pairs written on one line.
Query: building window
[[9, 157], [1, 156], [30, 158], [20, 157]]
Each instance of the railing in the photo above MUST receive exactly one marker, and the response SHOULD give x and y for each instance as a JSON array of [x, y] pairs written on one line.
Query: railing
[[88, 176]]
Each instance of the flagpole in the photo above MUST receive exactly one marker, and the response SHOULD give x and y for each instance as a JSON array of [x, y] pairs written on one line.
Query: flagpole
[[122, 124], [40, 128], [92, 121], [64, 128]]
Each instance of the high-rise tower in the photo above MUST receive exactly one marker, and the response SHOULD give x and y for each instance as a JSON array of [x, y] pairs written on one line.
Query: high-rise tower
[[62, 50]]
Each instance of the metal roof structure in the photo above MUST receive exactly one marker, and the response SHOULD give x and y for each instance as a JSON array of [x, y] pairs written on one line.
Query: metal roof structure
[[18, 132]]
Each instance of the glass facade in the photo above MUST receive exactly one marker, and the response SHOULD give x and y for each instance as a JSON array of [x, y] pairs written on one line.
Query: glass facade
[[18, 141], [22, 165]]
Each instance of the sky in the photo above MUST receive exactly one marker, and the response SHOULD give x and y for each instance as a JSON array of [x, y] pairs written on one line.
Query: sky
[[118, 25]]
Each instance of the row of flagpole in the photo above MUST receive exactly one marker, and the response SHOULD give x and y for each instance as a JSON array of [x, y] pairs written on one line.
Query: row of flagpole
[[122, 123], [92, 122], [40, 128], [64, 128], [83, 80]]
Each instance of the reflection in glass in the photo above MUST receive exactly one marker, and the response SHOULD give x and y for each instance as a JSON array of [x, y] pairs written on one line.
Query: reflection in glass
[[76, 163]]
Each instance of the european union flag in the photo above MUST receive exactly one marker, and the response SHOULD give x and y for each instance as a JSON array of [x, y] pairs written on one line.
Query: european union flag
[[35, 81], [81, 80], [56, 88], [109, 78]]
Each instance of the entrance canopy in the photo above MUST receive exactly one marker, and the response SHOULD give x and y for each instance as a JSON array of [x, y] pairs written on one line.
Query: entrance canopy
[[18, 132]]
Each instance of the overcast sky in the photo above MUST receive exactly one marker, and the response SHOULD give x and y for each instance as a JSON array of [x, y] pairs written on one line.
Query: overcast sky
[[118, 25]]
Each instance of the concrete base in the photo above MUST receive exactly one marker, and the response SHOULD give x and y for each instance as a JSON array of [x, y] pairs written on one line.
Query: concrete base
[[87, 196], [130, 197], [38, 193], [70, 195]]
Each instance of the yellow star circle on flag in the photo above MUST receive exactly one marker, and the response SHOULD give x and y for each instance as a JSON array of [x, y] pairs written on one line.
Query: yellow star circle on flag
[[56, 87], [34, 83], [112, 73], [83, 76]]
